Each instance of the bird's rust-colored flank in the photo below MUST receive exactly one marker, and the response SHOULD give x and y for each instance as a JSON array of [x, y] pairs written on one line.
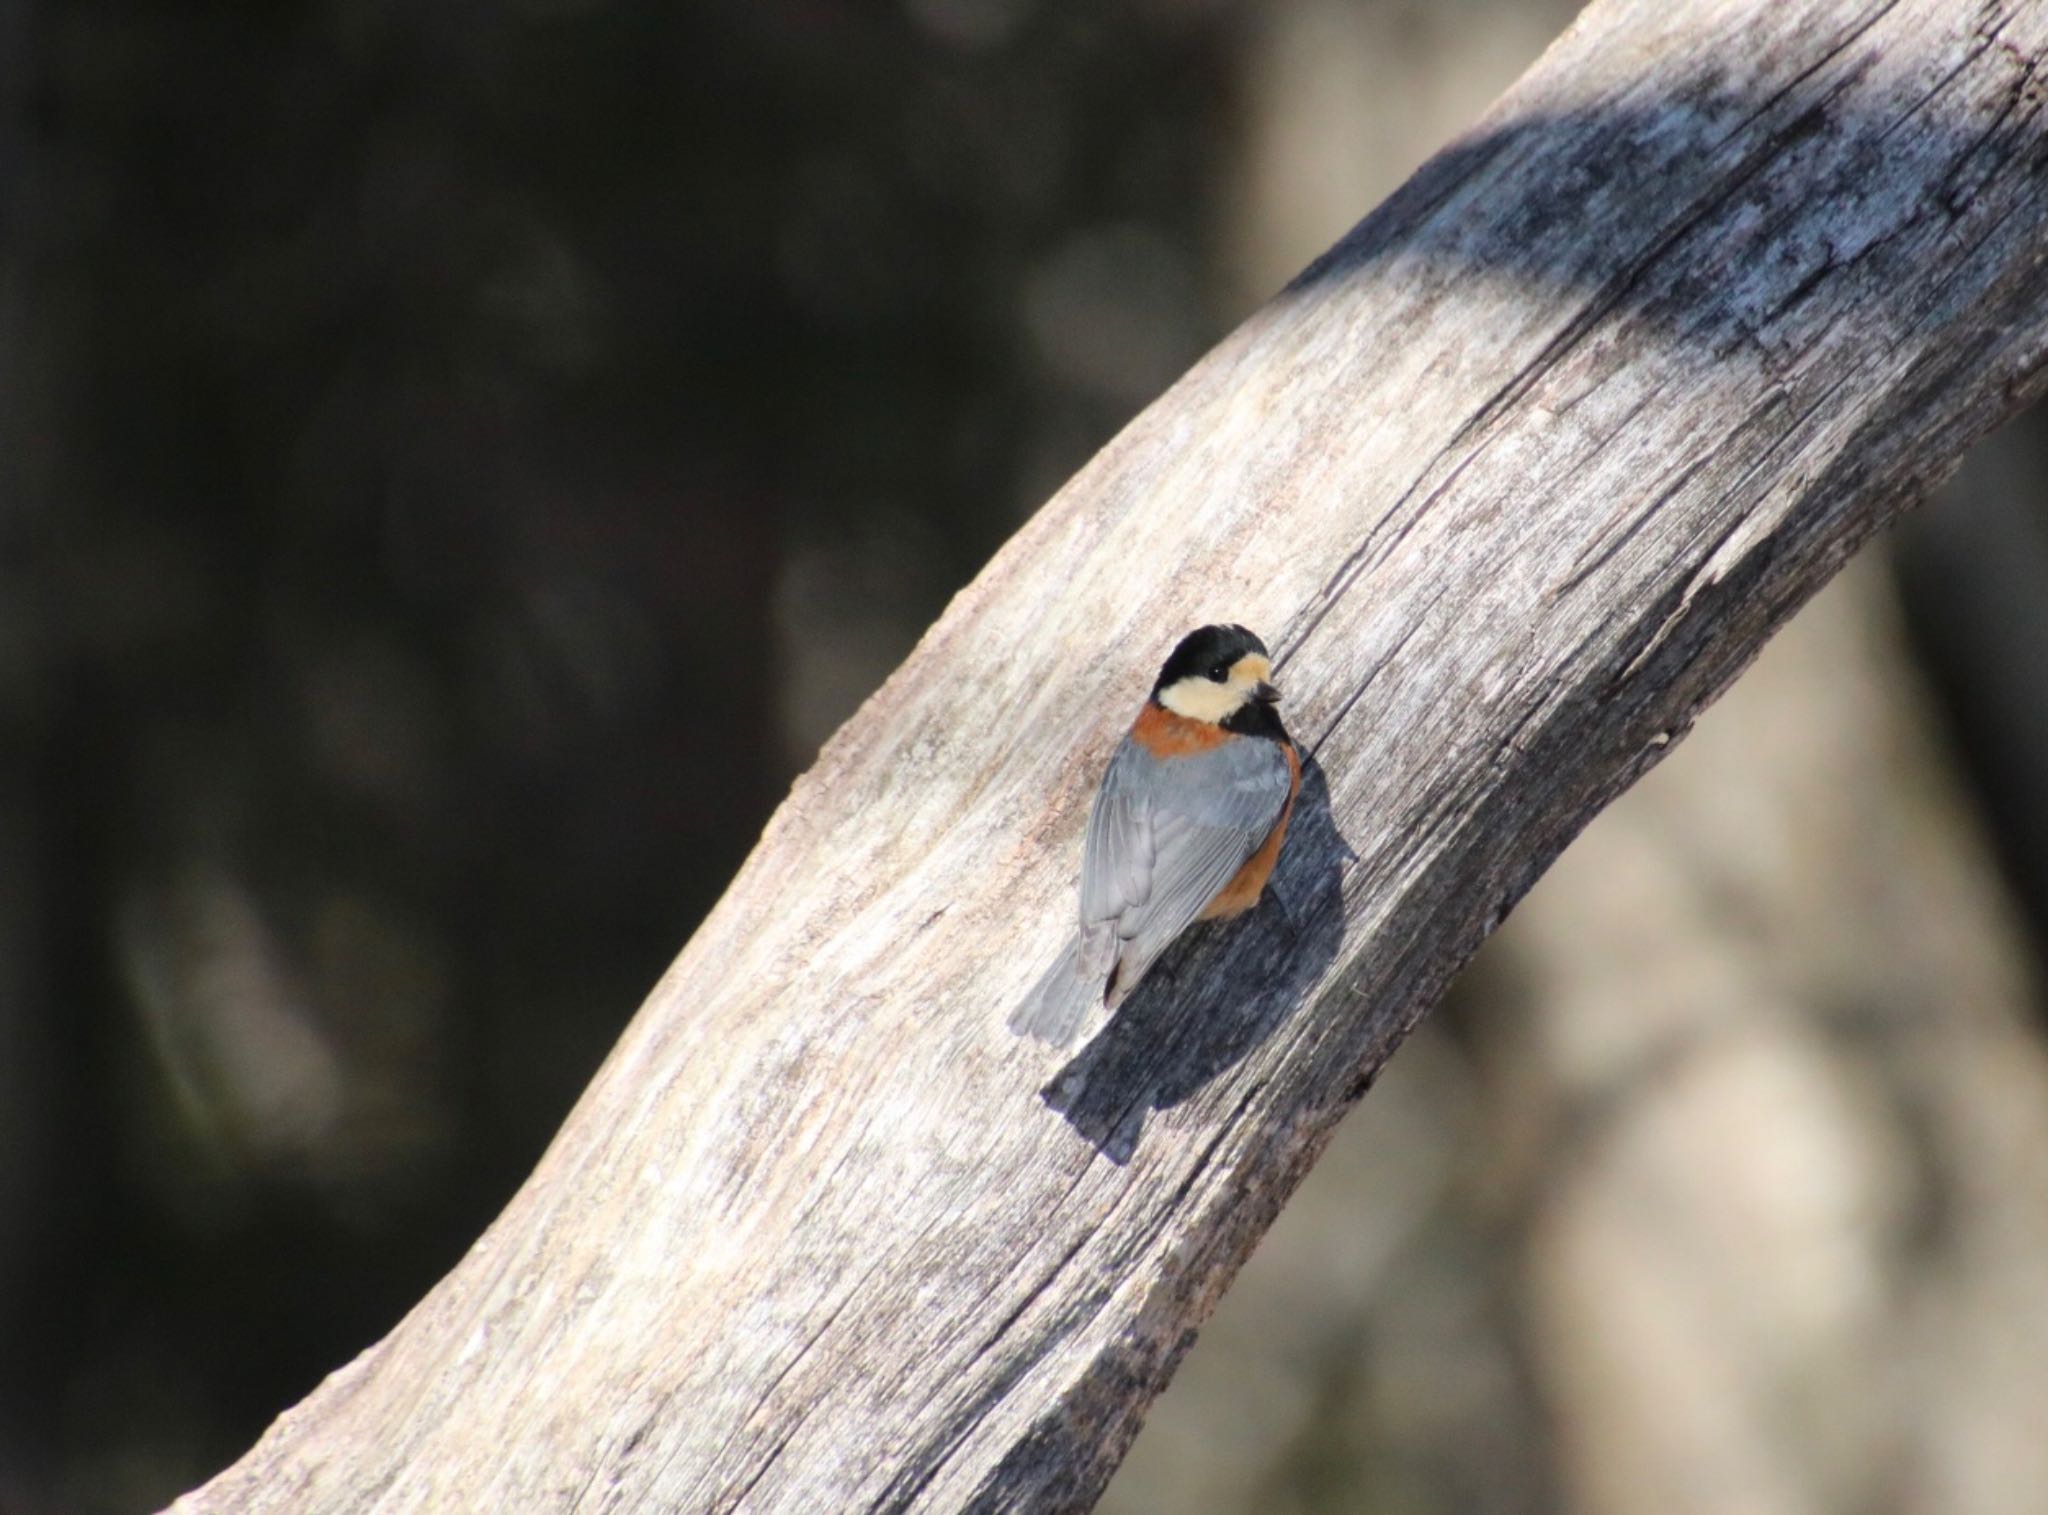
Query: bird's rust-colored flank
[[1244, 889], [1163, 734]]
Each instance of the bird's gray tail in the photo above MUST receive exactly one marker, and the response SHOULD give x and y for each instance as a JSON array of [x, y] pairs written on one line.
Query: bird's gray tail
[[1057, 1004]]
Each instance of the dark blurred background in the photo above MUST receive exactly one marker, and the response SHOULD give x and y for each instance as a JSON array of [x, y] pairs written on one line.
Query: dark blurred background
[[456, 465]]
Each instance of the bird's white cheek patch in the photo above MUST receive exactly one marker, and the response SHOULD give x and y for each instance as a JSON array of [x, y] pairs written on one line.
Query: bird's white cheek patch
[[1202, 699]]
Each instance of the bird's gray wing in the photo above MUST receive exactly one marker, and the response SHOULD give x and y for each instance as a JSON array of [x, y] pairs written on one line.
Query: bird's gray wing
[[1164, 838], [1118, 856]]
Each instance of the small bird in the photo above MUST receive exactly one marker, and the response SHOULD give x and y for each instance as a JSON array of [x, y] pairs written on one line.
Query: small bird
[[1187, 824]]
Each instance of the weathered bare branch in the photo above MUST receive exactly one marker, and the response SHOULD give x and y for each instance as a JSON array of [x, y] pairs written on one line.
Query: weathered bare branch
[[1516, 478]]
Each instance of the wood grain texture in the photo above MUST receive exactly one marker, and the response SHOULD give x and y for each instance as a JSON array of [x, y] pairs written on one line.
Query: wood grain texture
[[1514, 479]]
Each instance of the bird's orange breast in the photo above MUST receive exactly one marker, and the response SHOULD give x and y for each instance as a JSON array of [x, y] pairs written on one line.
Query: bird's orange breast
[[1166, 735]]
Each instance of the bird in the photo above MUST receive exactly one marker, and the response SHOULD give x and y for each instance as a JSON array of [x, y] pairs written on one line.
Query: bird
[[1187, 824]]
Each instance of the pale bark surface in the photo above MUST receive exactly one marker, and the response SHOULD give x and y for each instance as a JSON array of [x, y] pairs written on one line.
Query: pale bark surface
[[1514, 480]]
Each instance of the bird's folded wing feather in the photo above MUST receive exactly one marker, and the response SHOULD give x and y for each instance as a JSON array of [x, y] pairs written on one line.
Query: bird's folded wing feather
[[1165, 837]]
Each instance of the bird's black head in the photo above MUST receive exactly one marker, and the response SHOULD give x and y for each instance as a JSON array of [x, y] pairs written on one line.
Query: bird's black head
[[1220, 674], [1209, 652]]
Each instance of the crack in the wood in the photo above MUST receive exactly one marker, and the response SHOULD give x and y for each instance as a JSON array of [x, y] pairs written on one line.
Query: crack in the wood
[[1604, 554], [1339, 583], [615, 1464], [1954, 197], [1613, 433], [1940, 86], [1540, 706], [1208, 1155], [811, 1340], [816, 1335], [1960, 200], [922, 1234], [1946, 282], [774, 1451], [1031, 1296], [1687, 596], [1831, 261], [936, 1452], [774, 1455], [1350, 700], [1853, 34], [960, 1425]]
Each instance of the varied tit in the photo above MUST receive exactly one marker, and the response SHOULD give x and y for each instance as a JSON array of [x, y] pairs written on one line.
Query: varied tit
[[1186, 826]]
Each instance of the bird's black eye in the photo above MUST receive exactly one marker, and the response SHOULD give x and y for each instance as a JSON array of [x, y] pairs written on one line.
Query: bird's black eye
[[1220, 672]]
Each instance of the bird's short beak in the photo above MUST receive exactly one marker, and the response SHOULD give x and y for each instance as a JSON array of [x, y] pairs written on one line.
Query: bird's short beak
[[1266, 694]]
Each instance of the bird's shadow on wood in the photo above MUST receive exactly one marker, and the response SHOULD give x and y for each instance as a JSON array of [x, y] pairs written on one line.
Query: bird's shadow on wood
[[1218, 993]]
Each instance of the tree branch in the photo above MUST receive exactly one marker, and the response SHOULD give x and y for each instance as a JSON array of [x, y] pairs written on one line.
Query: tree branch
[[1515, 479]]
